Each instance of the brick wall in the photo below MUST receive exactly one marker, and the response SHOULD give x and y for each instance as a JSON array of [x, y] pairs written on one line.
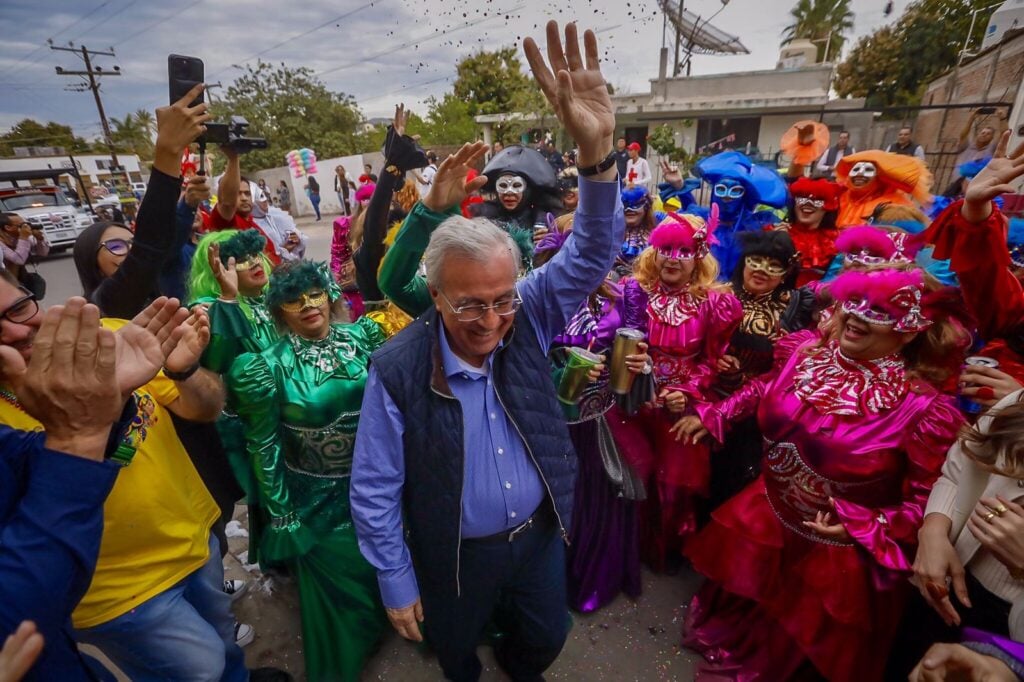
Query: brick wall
[[993, 76]]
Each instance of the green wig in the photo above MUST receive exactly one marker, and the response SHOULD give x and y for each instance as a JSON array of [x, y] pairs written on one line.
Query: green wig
[[291, 280], [242, 245], [202, 285]]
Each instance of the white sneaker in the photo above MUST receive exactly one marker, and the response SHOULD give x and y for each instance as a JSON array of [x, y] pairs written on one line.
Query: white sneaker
[[235, 588], [244, 634]]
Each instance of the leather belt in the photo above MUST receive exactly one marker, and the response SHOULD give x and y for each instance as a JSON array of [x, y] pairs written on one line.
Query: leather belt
[[541, 518]]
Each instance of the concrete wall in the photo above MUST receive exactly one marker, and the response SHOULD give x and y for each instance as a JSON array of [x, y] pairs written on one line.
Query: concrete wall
[[329, 203]]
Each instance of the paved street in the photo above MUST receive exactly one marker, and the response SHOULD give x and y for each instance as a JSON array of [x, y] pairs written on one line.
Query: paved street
[[625, 641]]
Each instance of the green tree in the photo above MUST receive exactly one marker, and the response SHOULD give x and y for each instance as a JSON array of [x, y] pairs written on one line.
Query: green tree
[[495, 83], [31, 133], [825, 22], [133, 134], [894, 65], [292, 109]]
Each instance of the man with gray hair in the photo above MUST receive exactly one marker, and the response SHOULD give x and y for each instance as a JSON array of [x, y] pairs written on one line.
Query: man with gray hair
[[463, 474]]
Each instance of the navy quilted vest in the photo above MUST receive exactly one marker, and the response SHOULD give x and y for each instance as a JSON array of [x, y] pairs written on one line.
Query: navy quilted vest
[[411, 371]]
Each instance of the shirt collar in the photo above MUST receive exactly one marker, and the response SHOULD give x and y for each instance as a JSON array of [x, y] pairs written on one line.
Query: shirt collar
[[454, 365]]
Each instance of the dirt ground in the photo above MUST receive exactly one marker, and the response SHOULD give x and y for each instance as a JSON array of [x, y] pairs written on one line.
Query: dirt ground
[[625, 641]]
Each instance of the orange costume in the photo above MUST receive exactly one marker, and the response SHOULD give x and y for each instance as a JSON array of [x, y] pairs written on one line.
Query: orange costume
[[896, 179]]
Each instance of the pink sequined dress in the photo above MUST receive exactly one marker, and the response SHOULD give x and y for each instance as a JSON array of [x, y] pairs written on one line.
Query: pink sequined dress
[[687, 335], [779, 596]]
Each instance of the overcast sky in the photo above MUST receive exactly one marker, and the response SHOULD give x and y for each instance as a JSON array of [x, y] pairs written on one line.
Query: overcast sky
[[380, 52]]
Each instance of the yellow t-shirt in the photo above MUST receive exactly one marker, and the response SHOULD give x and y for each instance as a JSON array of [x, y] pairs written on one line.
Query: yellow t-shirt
[[157, 519]]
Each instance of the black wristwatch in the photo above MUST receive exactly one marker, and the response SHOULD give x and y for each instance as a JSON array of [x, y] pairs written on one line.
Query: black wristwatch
[[183, 375], [588, 171]]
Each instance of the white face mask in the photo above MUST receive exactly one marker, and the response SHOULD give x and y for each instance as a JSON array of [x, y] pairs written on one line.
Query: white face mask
[[510, 184], [863, 169]]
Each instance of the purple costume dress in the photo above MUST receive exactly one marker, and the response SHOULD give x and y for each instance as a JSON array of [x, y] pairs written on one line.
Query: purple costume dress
[[604, 555], [864, 441]]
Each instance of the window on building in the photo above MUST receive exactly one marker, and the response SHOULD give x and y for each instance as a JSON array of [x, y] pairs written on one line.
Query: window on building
[[718, 134]]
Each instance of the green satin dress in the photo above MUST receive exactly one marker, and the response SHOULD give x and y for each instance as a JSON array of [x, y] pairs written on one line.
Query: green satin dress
[[237, 328], [299, 401]]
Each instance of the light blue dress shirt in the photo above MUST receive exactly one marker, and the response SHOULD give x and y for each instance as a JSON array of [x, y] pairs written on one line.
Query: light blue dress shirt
[[502, 485]]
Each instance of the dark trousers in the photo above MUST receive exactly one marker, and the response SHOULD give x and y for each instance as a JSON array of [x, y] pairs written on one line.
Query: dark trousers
[[921, 626], [521, 585]]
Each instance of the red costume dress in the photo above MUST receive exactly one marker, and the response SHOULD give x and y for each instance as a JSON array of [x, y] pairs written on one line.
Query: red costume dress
[[779, 595], [687, 335], [978, 255]]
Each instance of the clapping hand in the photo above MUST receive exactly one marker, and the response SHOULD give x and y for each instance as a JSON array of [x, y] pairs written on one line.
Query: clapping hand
[[449, 187], [577, 91], [70, 383], [993, 180], [194, 337], [143, 345]]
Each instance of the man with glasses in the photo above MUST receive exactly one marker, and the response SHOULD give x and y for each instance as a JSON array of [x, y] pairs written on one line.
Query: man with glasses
[[460, 431]]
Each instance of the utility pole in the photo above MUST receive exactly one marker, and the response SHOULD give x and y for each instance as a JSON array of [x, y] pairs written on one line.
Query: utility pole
[[91, 73]]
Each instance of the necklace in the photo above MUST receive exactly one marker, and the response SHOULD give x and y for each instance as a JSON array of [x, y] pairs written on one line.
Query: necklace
[[9, 397]]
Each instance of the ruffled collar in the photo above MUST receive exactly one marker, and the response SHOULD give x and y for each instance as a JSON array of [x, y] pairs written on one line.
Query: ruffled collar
[[671, 307], [260, 312], [325, 355], [835, 384]]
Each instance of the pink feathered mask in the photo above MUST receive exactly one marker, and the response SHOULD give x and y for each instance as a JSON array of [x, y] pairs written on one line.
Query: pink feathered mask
[[891, 298], [684, 236], [868, 245]]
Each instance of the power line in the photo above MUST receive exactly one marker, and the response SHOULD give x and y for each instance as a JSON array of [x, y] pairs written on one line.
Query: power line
[[419, 41], [105, 19], [304, 33], [66, 28], [175, 15], [92, 73]]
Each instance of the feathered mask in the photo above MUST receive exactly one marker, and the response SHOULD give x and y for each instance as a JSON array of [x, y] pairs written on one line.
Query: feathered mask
[[684, 236], [290, 281], [890, 298], [867, 245], [243, 245], [822, 190], [635, 199]]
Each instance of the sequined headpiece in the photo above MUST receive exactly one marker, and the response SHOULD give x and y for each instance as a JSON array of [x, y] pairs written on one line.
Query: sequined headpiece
[[243, 245], [684, 233], [868, 245], [891, 298]]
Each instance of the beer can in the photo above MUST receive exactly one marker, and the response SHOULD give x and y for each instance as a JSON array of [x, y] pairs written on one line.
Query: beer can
[[966, 403]]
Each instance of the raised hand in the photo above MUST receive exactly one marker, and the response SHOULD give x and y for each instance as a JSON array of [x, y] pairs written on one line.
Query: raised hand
[[226, 275], [449, 187], [70, 385], [177, 126], [197, 190], [671, 174], [993, 180], [401, 119], [576, 90]]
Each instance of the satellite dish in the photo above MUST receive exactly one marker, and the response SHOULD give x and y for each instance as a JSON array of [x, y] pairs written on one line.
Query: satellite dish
[[701, 37]]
